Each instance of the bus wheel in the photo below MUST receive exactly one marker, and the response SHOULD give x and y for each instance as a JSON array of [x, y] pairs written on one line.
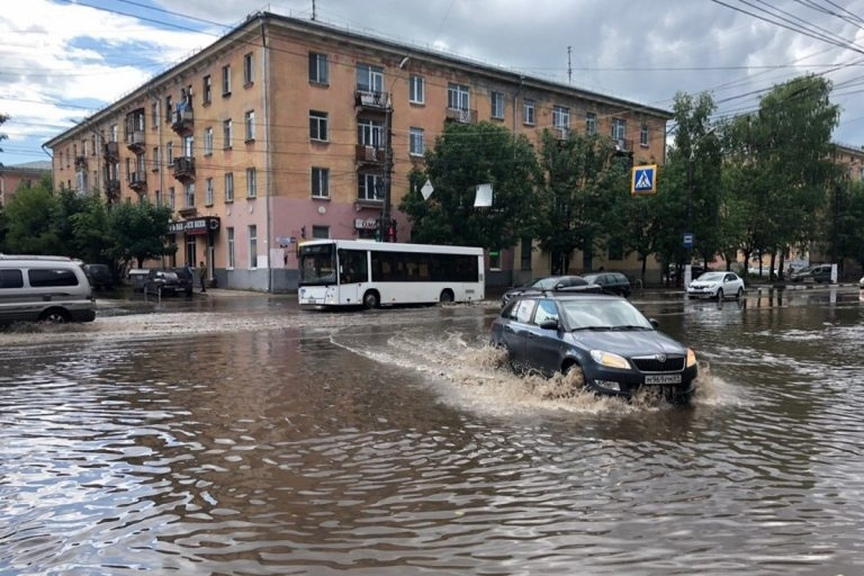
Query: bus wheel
[[371, 299], [446, 297]]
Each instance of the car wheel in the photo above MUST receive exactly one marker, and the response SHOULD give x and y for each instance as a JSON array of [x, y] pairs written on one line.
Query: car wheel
[[740, 293], [371, 300], [574, 377], [446, 297], [719, 294], [55, 316]]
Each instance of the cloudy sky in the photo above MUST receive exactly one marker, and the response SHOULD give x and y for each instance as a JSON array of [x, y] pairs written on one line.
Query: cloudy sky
[[61, 60]]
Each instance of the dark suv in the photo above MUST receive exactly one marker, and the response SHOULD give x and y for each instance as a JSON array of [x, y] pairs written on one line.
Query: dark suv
[[612, 282], [819, 273]]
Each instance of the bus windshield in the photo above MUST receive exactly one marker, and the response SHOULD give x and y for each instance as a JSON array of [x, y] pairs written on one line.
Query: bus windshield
[[317, 264]]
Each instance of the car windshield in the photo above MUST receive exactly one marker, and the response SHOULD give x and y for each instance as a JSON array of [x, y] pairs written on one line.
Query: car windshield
[[611, 314], [711, 277]]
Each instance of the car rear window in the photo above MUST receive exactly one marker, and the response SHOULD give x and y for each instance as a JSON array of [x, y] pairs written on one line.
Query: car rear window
[[49, 277], [11, 279]]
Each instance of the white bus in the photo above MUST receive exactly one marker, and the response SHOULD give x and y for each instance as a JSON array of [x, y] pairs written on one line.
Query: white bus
[[372, 274]]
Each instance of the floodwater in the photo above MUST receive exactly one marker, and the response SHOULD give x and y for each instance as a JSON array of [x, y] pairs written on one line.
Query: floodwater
[[244, 436]]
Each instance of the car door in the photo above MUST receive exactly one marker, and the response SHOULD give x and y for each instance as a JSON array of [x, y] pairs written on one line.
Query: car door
[[515, 330], [543, 345]]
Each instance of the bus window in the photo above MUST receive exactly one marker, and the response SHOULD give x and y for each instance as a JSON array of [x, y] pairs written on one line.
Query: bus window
[[352, 266]]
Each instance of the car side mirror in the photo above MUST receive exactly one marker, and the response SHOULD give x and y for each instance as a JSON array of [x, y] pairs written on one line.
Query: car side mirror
[[550, 324], [654, 322]]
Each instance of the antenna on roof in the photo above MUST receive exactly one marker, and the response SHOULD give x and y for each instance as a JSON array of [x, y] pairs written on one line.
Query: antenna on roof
[[313, 10], [569, 66]]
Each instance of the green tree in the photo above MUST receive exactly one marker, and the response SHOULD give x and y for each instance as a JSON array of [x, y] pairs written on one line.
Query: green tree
[[465, 156], [30, 229], [137, 232], [583, 182]]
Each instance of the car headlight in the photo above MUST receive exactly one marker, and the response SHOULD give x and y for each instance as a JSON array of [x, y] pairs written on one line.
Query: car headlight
[[610, 360], [691, 357]]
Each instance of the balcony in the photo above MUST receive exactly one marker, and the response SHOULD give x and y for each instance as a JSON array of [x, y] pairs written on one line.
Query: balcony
[[184, 168], [183, 121], [80, 163], [112, 190], [135, 141], [623, 145], [374, 101], [137, 180], [465, 116], [188, 211], [112, 151], [369, 155]]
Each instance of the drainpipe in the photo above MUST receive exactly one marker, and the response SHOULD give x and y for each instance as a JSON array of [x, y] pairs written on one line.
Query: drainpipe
[[268, 186]]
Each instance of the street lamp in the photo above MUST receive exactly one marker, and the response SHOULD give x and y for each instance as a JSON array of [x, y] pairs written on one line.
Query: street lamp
[[386, 225]]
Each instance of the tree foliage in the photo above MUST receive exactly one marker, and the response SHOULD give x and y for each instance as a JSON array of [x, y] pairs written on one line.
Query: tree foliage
[[465, 156], [137, 232]]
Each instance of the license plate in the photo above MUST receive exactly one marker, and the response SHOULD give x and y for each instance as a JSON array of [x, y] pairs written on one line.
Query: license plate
[[663, 379]]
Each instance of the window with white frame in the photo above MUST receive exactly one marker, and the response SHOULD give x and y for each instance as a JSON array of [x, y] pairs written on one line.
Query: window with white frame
[[207, 90], [416, 144], [226, 80], [229, 187], [169, 154], [251, 183], [189, 146], [157, 158], [169, 110], [154, 114], [320, 182], [208, 192], [561, 117], [458, 97], [208, 141], [496, 101], [370, 187], [248, 69], [172, 198], [370, 133], [529, 111], [253, 246], [227, 134], [318, 68], [591, 123], [318, 126], [643, 134], [249, 122], [370, 78], [189, 194], [619, 129], [229, 233], [416, 90]]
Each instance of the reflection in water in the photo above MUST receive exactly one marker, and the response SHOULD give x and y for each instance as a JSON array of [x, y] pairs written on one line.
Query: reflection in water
[[397, 442]]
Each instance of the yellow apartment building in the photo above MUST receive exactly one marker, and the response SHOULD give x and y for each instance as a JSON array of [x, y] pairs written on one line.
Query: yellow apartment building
[[277, 132]]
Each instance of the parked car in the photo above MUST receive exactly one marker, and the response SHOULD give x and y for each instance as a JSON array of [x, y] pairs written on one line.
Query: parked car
[[137, 277], [612, 282], [612, 345], [717, 285], [187, 279], [818, 273], [165, 282], [44, 289], [547, 283], [99, 275]]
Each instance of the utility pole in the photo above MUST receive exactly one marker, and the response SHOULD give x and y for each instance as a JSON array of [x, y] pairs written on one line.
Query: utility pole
[[386, 223]]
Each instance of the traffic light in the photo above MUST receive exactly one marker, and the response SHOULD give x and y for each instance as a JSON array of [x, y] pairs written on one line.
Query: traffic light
[[391, 231]]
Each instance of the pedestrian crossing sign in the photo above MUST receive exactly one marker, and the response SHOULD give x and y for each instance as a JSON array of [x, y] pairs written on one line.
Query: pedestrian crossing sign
[[644, 180]]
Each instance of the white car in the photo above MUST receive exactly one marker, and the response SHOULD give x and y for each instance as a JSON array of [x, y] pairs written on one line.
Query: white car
[[861, 283], [717, 285]]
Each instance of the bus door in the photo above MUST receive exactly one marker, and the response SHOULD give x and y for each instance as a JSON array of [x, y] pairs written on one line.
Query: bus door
[[353, 275]]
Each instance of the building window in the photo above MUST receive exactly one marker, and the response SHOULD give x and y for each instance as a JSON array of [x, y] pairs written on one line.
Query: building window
[[189, 193], [154, 114], [207, 90], [370, 187], [416, 90], [320, 182], [561, 117], [226, 134], [229, 232], [529, 111], [208, 192], [458, 97], [643, 135], [318, 70], [249, 123], [226, 80], [172, 198], [318, 126], [229, 187], [157, 197], [416, 145], [248, 73], [253, 247], [591, 123], [168, 110], [497, 104], [495, 259], [189, 146], [619, 129], [208, 141], [169, 154], [370, 133], [251, 183], [525, 260], [320, 232], [370, 78], [157, 157]]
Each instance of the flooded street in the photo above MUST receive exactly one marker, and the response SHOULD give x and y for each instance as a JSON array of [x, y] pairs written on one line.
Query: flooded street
[[243, 436]]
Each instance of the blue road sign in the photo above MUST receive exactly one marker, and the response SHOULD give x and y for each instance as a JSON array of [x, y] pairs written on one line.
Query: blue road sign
[[688, 240], [644, 180]]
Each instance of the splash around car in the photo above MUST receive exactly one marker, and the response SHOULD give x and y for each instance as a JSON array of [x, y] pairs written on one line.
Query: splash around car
[[614, 346]]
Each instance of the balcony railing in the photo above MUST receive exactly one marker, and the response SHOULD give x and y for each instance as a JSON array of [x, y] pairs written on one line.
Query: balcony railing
[[184, 168], [623, 145], [371, 100], [183, 121], [369, 154], [112, 151], [464, 116], [137, 180], [135, 140], [81, 163]]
